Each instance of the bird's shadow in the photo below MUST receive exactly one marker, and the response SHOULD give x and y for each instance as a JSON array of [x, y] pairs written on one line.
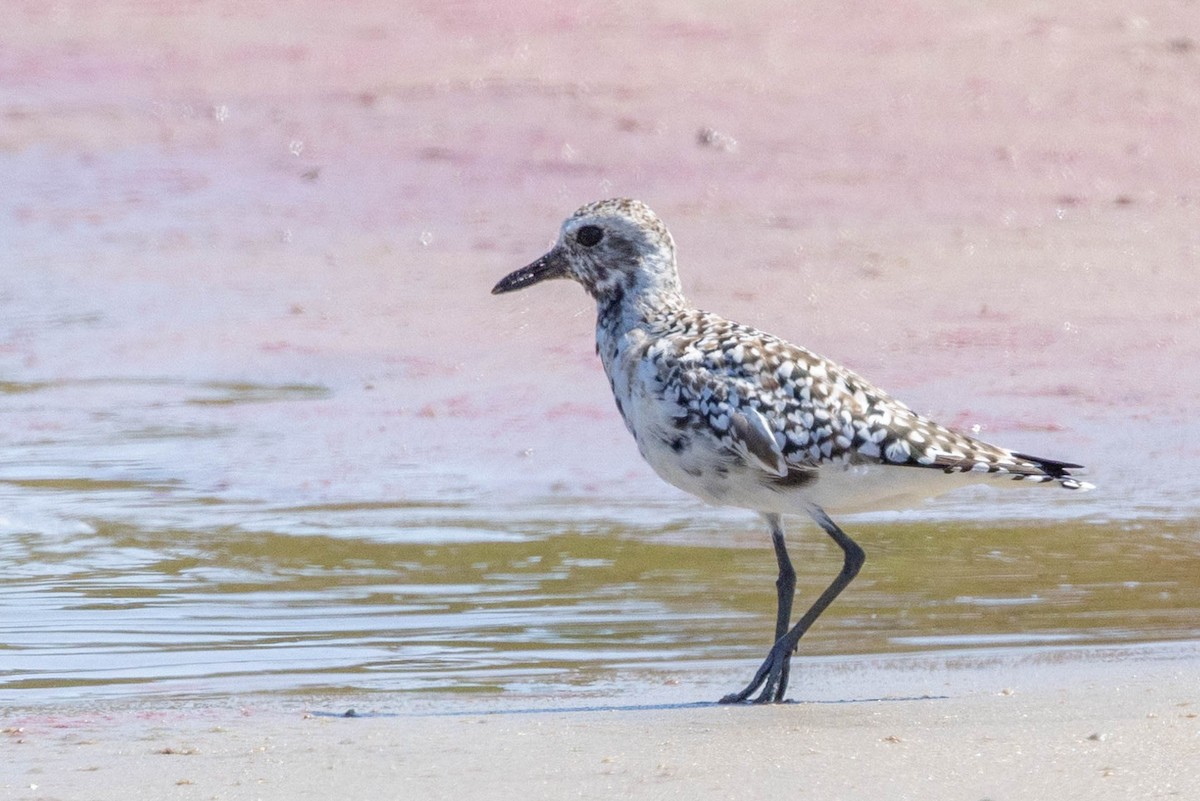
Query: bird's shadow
[[596, 708]]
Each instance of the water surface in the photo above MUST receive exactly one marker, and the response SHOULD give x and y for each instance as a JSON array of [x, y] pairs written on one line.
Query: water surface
[[121, 584]]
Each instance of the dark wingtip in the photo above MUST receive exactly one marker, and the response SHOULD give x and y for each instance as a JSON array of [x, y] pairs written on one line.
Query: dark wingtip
[[1053, 467]]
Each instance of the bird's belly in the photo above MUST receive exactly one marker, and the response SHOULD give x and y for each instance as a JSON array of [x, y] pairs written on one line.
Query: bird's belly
[[709, 475], [714, 475], [848, 489]]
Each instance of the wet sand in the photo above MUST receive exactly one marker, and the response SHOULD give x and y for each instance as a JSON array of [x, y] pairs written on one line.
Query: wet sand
[[1102, 724], [988, 208]]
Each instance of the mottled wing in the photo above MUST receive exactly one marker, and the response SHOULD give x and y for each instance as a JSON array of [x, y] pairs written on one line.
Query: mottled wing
[[723, 405], [786, 409]]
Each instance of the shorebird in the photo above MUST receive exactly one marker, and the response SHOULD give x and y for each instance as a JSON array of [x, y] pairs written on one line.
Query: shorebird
[[738, 417]]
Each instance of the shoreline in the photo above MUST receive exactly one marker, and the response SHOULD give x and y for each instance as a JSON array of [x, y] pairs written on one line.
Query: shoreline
[[1075, 723]]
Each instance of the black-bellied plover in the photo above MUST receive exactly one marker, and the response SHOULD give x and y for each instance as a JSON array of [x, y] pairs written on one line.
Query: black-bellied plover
[[741, 418]]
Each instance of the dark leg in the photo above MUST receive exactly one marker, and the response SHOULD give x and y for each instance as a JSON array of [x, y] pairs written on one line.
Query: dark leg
[[785, 585], [773, 674]]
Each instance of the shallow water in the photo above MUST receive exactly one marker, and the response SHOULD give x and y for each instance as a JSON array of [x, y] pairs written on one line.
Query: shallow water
[[142, 587]]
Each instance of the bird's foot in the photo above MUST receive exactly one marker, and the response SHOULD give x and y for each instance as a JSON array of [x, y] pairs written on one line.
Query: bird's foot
[[772, 676]]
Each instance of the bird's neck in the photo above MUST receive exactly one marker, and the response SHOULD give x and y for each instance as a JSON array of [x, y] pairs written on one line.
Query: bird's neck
[[621, 310], [632, 297]]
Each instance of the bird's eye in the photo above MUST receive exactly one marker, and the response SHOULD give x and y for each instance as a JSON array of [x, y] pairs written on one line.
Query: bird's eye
[[589, 235]]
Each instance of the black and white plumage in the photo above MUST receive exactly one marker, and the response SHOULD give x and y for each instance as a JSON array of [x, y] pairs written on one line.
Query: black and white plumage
[[742, 418]]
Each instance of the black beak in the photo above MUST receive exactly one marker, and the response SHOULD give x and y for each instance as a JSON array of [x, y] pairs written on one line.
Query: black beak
[[552, 265]]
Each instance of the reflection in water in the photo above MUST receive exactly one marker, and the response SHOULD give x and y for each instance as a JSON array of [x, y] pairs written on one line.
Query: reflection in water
[[449, 598]]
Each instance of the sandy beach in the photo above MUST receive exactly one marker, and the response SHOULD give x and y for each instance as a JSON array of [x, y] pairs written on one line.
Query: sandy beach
[[250, 362], [1098, 725]]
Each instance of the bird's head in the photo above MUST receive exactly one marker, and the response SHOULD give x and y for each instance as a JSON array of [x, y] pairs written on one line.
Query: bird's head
[[615, 248]]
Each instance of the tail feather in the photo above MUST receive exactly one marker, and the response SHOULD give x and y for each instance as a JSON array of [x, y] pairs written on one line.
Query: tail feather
[[1054, 470]]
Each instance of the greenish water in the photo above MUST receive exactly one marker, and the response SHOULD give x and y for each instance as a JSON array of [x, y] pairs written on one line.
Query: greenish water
[[178, 539], [208, 596]]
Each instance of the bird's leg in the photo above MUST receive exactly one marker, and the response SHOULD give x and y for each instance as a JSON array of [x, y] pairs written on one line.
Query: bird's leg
[[785, 585], [772, 675]]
